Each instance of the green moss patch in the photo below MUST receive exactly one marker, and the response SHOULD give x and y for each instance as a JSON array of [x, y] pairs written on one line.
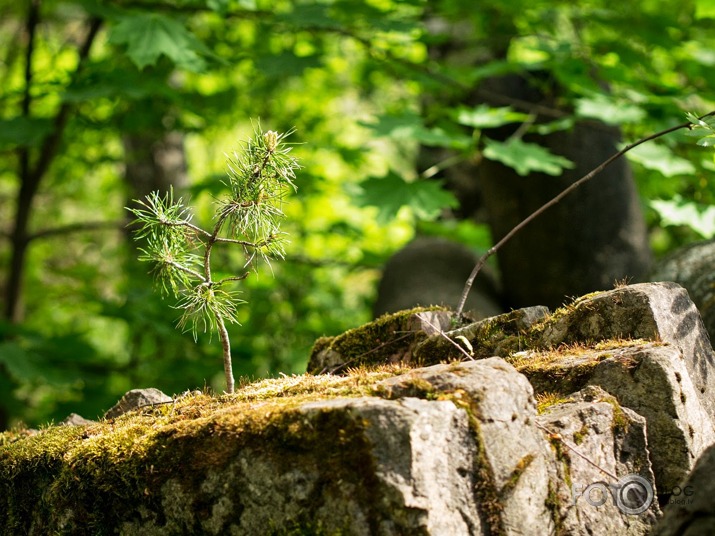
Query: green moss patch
[[568, 368], [89, 476], [388, 339]]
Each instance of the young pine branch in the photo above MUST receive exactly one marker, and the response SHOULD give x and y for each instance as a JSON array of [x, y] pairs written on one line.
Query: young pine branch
[[249, 217], [703, 127]]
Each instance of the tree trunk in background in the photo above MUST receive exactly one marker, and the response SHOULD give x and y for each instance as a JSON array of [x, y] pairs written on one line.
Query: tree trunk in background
[[586, 242], [594, 236], [154, 161]]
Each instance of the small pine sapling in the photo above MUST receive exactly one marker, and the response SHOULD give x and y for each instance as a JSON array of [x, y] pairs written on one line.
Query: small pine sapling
[[249, 217]]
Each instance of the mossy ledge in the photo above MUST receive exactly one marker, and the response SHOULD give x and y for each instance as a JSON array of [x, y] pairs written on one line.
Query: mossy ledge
[[405, 337], [199, 462], [388, 339], [65, 477]]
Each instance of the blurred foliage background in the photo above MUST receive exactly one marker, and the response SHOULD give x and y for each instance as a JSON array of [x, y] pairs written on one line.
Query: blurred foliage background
[[102, 102]]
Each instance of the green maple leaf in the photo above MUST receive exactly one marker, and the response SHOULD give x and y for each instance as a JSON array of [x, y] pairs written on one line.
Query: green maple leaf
[[678, 211], [410, 127], [661, 158], [484, 116], [389, 194], [526, 158], [610, 111], [148, 36]]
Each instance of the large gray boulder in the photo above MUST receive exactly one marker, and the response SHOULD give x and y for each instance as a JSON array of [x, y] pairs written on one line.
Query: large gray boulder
[[652, 311], [362, 466], [655, 383], [602, 458], [649, 379], [513, 476], [432, 271]]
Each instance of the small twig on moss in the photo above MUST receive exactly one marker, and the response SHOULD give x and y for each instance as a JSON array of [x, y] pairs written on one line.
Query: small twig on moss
[[491, 251], [443, 334]]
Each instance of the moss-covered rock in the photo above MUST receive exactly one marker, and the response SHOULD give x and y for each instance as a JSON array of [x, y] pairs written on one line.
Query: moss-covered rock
[[389, 339], [391, 447]]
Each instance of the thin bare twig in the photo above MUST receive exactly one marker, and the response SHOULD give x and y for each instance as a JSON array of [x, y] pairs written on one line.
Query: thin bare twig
[[483, 259], [575, 451], [443, 334]]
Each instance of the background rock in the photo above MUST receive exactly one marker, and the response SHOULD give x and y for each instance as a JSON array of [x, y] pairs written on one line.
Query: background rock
[[692, 267], [432, 271]]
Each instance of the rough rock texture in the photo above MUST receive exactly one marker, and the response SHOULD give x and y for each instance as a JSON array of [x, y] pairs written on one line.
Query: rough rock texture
[[588, 421], [588, 415], [135, 399], [389, 339], [655, 383], [500, 335], [652, 311], [410, 337], [512, 472], [406, 468], [691, 508], [692, 267], [651, 380]]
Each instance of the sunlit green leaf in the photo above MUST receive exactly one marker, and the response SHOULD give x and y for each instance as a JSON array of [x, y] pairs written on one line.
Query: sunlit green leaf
[[410, 127], [484, 116], [704, 9], [609, 111], [526, 158], [390, 193], [147, 36], [660, 158], [678, 211]]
